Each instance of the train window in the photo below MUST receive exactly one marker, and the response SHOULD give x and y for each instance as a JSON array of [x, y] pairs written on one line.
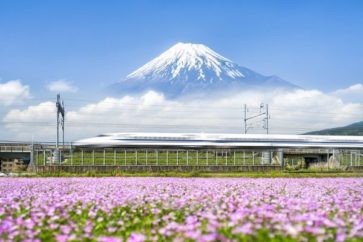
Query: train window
[[232, 139]]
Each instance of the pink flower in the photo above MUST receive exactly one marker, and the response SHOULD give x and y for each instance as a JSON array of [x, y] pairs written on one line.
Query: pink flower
[[108, 239], [135, 237], [62, 238]]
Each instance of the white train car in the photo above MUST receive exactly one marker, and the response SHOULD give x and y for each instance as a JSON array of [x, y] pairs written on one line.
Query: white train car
[[209, 140]]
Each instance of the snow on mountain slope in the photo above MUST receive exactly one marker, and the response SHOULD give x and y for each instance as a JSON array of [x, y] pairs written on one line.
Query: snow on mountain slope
[[191, 57], [192, 68]]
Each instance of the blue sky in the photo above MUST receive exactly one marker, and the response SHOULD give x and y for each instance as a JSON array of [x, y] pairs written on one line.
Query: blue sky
[[315, 44]]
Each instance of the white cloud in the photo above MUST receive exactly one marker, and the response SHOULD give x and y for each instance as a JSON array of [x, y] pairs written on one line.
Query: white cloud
[[62, 86], [353, 93], [295, 111], [38, 120], [36, 113], [356, 88], [13, 92]]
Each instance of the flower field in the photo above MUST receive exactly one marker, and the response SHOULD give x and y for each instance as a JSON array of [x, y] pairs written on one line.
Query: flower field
[[181, 209]]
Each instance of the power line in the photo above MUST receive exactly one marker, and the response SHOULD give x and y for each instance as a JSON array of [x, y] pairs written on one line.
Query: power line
[[176, 108]]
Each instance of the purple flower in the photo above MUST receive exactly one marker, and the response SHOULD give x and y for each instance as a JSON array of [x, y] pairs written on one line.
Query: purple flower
[[178, 208], [108, 239], [135, 237]]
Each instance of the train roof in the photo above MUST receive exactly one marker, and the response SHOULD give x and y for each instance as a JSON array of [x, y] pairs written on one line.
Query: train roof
[[220, 140]]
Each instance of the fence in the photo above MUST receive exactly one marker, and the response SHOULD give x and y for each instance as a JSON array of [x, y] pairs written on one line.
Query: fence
[[15, 148], [209, 159], [193, 157], [154, 157]]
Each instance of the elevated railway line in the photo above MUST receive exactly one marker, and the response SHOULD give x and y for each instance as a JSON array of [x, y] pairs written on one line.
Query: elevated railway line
[[170, 151]]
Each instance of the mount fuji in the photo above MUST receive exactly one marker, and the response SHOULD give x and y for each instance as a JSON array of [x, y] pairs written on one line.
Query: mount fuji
[[188, 68]]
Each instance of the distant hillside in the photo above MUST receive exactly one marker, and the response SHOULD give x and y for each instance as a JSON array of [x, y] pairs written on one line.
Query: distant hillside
[[352, 129]]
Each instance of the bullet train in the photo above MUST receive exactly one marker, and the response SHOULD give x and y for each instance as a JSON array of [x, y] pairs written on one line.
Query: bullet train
[[209, 140]]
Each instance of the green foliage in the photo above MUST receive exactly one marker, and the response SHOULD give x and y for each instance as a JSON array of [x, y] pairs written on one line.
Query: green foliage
[[352, 129]]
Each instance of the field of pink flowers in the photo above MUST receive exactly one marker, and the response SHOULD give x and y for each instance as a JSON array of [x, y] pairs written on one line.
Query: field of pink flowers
[[181, 209]]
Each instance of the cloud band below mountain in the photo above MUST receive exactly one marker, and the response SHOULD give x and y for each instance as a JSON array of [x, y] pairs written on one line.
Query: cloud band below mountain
[[294, 111]]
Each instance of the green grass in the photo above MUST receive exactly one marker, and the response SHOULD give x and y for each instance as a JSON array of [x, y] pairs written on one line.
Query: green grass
[[192, 157], [172, 157], [152, 157]]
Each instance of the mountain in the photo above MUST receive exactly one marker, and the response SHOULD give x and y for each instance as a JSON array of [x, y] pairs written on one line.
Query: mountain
[[352, 129], [192, 68]]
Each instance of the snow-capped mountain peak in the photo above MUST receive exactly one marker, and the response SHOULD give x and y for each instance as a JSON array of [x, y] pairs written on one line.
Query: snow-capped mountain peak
[[194, 68], [189, 57]]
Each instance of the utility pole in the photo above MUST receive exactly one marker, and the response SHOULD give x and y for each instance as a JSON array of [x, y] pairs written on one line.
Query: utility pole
[[60, 121], [266, 113], [245, 118], [63, 116], [267, 118], [56, 144]]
